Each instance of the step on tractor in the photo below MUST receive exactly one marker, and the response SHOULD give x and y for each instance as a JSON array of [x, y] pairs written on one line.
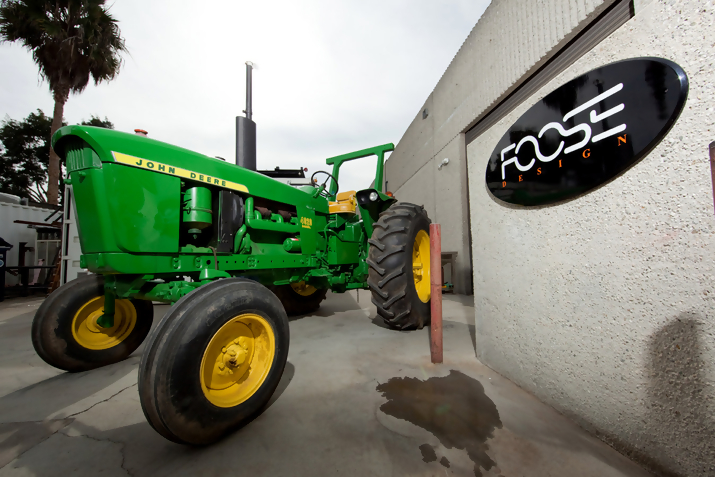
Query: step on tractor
[[234, 252]]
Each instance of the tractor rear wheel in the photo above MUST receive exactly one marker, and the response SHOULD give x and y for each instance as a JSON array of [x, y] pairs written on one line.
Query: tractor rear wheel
[[214, 361], [299, 298], [66, 334], [399, 260]]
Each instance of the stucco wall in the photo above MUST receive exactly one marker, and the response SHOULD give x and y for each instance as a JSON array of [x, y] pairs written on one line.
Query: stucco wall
[[604, 306], [511, 40]]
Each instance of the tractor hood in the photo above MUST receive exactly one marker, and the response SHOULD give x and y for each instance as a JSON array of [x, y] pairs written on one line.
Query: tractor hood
[[132, 150]]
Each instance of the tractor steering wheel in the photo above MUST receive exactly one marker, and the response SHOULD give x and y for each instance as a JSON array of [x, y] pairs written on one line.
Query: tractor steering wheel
[[325, 192]]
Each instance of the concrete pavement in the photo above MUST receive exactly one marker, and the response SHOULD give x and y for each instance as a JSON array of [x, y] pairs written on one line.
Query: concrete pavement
[[355, 399]]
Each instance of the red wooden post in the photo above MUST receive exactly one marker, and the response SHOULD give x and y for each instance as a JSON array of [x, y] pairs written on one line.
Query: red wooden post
[[435, 236], [712, 167]]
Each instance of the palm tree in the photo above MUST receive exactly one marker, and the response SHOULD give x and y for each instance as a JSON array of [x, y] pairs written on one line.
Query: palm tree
[[70, 41]]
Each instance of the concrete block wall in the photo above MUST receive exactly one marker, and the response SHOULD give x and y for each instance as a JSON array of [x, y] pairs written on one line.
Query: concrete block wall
[[511, 40], [604, 306]]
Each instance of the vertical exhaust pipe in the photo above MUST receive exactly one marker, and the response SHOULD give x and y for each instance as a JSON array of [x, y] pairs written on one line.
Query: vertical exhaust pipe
[[246, 128], [249, 90]]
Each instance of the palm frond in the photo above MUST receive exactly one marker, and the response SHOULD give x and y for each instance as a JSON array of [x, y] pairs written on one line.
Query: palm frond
[[72, 41]]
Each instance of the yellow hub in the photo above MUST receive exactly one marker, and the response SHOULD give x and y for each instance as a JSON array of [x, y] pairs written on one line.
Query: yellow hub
[[421, 265], [88, 334], [237, 360], [302, 288]]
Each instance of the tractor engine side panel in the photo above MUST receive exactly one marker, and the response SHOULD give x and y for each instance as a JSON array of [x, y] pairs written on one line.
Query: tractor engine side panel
[[145, 209], [123, 209], [94, 222]]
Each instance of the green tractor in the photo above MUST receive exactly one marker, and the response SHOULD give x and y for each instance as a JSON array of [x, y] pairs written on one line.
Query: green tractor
[[234, 252]]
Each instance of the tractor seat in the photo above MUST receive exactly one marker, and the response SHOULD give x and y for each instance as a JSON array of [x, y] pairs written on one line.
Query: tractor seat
[[345, 203]]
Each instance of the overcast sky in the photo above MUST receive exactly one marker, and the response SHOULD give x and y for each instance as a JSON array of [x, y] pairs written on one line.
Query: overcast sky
[[332, 77]]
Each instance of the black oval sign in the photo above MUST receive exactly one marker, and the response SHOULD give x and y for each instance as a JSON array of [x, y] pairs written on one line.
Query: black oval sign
[[587, 131]]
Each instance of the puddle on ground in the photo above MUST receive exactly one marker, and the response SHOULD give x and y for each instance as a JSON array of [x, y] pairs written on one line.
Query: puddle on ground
[[454, 409], [428, 453]]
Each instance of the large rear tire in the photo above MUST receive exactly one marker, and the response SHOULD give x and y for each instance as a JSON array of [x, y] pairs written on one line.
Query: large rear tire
[[399, 276], [299, 298], [66, 335], [214, 361]]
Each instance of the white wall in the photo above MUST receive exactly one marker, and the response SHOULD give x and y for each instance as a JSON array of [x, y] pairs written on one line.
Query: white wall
[[604, 306], [511, 41], [16, 233], [70, 262]]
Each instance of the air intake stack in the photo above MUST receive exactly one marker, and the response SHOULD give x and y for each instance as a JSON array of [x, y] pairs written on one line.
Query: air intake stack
[[246, 128]]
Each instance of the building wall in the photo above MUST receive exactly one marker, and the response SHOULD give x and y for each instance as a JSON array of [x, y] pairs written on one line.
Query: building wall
[[511, 40], [15, 233], [71, 250], [604, 306]]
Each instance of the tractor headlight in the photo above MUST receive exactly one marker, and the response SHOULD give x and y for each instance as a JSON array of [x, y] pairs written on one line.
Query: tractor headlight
[[374, 196]]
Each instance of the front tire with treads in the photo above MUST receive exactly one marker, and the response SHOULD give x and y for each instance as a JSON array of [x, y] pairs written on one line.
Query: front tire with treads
[[67, 335], [399, 276], [213, 362]]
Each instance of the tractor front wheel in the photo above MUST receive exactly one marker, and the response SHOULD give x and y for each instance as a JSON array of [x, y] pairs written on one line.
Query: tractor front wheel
[[399, 260], [67, 335], [214, 361]]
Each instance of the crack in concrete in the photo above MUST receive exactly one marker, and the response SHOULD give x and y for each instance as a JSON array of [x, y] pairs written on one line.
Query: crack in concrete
[[121, 445], [43, 440], [69, 418], [102, 401]]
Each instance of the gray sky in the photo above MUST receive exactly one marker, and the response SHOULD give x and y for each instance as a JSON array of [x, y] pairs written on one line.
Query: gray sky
[[332, 77]]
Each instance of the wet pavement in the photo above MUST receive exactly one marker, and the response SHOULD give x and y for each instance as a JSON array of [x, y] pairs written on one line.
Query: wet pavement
[[355, 399], [454, 409]]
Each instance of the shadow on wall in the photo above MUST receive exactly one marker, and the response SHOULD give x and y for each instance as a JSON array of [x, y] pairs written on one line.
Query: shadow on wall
[[678, 390]]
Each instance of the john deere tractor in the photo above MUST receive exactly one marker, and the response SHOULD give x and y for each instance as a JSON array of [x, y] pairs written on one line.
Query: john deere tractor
[[234, 252]]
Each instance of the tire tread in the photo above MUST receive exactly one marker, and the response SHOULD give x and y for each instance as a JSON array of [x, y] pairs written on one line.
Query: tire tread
[[390, 252]]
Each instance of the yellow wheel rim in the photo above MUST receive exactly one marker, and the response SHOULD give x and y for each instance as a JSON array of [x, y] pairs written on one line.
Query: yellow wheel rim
[[421, 265], [302, 288], [88, 334], [237, 360]]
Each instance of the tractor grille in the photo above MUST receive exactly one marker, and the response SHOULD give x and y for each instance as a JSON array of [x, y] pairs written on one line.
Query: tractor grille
[[78, 155]]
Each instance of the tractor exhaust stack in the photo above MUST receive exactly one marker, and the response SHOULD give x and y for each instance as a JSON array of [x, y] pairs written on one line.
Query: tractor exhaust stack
[[246, 128]]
